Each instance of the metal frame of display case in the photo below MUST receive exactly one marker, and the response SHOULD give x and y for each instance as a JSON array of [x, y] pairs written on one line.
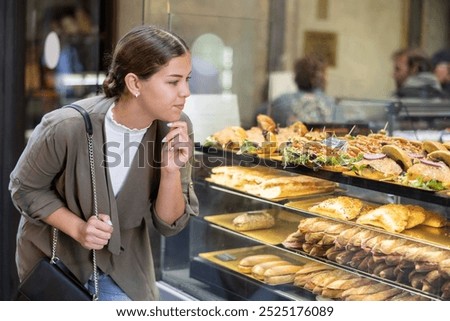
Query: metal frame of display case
[[412, 110]]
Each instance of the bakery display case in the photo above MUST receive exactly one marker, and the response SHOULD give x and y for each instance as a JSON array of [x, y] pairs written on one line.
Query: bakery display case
[[330, 256], [204, 262]]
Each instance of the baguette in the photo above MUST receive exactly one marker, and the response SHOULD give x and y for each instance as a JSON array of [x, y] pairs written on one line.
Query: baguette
[[253, 221], [444, 268], [366, 289], [289, 186], [281, 274], [314, 267], [378, 296], [246, 264], [259, 269]]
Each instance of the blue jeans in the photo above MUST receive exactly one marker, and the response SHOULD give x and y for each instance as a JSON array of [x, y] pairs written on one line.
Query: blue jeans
[[108, 290]]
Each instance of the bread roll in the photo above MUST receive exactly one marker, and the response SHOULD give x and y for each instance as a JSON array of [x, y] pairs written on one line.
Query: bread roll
[[246, 264], [266, 123], [230, 137], [431, 146], [425, 172], [398, 154], [253, 221], [378, 169]]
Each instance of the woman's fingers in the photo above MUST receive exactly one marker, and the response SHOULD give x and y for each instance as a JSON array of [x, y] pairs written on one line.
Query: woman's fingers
[[98, 231], [177, 145]]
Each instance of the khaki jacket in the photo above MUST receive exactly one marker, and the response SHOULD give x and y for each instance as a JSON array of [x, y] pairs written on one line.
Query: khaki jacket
[[53, 171]]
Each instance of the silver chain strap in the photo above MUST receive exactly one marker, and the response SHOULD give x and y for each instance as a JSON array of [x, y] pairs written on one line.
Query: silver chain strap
[[89, 134], [94, 196], [54, 258]]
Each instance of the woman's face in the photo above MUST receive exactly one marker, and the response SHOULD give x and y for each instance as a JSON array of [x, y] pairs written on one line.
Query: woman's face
[[163, 94]]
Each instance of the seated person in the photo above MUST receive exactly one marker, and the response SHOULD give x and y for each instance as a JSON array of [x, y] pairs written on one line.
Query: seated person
[[400, 64], [309, 104], [421, 81], [441, 68]]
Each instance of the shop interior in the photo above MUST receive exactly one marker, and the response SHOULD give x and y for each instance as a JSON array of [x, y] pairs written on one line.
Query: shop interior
[[243, 55]]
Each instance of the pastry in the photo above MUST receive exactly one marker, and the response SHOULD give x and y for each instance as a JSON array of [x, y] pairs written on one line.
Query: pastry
[[341, 207], [434, 219], [391, 217], [417, 215]]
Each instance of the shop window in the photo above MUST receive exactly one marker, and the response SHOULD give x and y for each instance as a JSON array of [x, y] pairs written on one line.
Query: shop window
[[64, 52]]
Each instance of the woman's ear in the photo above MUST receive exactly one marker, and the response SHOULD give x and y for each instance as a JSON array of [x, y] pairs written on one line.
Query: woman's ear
[[133, 84]]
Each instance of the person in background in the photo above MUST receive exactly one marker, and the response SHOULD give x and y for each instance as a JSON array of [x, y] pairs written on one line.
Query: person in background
[[65, 22], [421, 82], [143, 145], [441, 67], [400, 64], [309, 104]]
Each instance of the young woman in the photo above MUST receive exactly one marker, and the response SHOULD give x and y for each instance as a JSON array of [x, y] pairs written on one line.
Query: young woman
[[143, 144]]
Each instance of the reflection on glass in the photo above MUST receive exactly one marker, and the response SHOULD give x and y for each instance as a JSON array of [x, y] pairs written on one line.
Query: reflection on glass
[[63, 54], [207, 64], [52, 50]]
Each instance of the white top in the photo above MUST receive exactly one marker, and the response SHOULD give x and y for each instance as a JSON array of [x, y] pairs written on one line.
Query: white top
[[122, 145]]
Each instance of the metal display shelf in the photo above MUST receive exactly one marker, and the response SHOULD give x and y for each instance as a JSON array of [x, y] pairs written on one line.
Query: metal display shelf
[[240, 287], [438, 198]]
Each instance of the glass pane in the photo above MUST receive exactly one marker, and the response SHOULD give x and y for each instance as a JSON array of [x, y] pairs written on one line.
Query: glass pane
[[229, 57], [63, 54]]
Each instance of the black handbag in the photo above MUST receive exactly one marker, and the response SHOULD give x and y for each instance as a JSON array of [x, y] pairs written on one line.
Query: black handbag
[[50, 279]]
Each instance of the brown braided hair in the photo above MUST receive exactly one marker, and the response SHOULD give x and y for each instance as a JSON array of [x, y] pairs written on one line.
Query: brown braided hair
[[143, 51]]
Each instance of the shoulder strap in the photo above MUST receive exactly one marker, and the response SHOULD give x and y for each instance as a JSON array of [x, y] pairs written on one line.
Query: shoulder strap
[[90, 131], [85, 114]]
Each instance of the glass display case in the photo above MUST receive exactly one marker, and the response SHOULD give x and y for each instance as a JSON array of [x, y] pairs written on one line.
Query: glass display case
[[203, 261]]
